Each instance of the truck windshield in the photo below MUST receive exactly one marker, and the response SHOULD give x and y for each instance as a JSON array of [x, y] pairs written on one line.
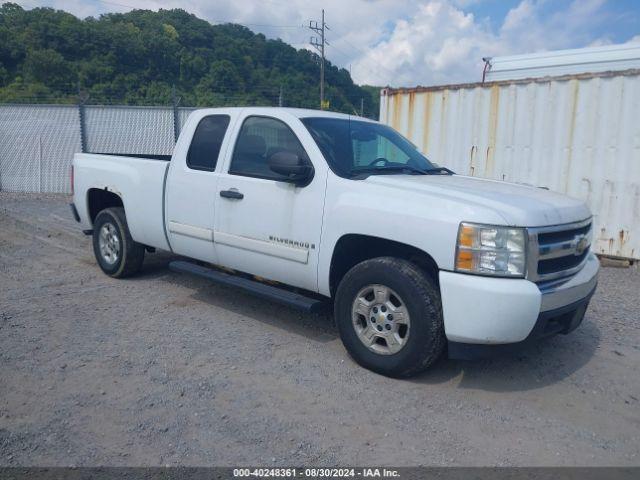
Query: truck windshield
[[356, 149]]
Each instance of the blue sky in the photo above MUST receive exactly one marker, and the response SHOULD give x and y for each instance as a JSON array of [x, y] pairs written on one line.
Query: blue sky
[[411, 42], [618, 20]]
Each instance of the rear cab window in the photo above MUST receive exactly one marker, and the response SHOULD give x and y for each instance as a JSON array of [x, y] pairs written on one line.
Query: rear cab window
[[206, 142]]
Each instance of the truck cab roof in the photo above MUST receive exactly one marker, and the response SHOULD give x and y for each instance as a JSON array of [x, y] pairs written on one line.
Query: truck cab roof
[[295, 112]]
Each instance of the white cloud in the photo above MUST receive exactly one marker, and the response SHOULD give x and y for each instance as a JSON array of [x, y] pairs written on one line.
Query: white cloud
[[443, 44], [396, 42], [634, 40], [440, 44], [527, 29]]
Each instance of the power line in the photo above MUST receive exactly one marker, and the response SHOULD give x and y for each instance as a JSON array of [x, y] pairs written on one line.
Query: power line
[[363, 53], [376, 74]]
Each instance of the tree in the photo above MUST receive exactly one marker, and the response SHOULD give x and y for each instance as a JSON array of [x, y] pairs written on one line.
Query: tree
[[47, 67], [138, 56]]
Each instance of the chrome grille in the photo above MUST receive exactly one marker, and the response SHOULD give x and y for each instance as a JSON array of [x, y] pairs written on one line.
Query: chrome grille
[[558, 251]]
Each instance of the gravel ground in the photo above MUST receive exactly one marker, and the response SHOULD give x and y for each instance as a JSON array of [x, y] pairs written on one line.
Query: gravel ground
[[165, 369]]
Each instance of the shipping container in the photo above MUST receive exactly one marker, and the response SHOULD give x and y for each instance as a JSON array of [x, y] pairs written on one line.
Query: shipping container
[[575, 134]]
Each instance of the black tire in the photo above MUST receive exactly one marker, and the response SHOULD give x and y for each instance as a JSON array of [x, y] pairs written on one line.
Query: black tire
[[131, 254], [426, 339]]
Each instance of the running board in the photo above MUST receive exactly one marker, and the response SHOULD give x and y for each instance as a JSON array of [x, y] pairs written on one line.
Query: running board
[[262, 290]]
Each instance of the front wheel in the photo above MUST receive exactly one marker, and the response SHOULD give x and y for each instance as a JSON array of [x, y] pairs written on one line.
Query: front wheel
[[116, 252], [389, 316]]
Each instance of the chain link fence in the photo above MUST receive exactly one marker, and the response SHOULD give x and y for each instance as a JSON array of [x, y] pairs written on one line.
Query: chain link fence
[[37, 142]]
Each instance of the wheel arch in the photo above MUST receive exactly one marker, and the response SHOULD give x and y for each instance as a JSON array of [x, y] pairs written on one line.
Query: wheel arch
[[351, 249], [98, 199]]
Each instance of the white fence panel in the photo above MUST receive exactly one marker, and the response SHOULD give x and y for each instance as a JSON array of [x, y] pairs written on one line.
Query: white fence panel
[[183, 114], [124, 129], [37, 143]]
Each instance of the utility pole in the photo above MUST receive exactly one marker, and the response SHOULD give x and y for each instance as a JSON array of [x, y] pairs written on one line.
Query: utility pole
[[362, 106], [280, 97], [318, 44]]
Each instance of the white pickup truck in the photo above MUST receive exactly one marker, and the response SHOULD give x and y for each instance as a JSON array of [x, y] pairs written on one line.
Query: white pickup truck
[[307, 207]]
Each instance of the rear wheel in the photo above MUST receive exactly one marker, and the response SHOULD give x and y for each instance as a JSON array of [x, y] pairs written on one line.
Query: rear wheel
[[116, 252], [389, 316]]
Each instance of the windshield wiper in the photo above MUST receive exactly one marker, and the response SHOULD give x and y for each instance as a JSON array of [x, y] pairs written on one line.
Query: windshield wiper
[[439, 170], [401, 168], [393, 168]]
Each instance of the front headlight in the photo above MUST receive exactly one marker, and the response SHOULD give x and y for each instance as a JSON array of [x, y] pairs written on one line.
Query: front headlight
[[491, 250]]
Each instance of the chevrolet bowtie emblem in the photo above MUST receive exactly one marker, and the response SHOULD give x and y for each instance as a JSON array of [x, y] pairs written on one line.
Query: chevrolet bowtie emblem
[[581, 244]]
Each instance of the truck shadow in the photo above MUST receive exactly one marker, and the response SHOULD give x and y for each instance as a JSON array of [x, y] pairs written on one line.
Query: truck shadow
[[155, 265], [318, 327], [547, 362]]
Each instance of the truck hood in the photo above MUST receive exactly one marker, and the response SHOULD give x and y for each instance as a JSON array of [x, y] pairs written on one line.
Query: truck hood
[[519, 205]]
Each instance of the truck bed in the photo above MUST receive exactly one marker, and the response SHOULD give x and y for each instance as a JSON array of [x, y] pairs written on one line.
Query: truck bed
[[139, 181]]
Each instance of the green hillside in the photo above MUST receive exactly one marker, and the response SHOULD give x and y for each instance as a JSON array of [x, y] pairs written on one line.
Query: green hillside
[[136, 58]]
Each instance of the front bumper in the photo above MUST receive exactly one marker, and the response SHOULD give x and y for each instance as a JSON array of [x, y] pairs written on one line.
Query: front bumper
[[495, 311], [551, 322], [560, 293]]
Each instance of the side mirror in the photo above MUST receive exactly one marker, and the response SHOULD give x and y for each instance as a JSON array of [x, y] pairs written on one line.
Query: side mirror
[[297, 170]]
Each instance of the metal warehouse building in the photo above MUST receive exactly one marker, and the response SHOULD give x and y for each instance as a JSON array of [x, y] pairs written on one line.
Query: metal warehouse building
[[576, 131]]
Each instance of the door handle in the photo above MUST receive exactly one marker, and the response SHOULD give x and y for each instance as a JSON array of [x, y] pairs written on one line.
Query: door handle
[[233, 193]]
